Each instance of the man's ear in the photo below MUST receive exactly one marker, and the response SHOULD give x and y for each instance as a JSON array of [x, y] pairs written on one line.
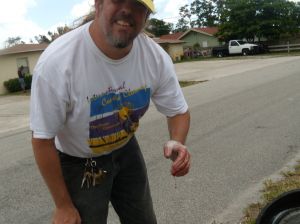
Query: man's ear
[[98, 3]]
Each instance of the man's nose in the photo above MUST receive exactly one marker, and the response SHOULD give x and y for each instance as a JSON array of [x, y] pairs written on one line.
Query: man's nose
[[127, 6]]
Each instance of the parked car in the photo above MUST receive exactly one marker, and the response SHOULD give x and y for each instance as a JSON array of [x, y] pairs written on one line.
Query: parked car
[[235, 47]]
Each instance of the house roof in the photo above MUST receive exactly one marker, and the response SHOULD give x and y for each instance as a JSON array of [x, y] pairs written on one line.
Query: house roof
[[210, 31], [23, 48], [151, 35], [173, 36], [167, 41]]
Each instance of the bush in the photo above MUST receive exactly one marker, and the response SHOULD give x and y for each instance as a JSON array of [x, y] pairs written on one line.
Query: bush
[[13, 85]]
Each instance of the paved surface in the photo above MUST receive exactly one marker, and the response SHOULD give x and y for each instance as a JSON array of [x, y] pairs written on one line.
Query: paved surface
[[213, 69], [14, 110], [245, 128]]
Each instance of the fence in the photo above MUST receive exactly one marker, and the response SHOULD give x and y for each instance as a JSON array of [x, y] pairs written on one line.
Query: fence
[[286, 47]]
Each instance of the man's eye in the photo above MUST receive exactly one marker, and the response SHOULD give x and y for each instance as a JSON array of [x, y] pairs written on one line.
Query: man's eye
[[117, 1]]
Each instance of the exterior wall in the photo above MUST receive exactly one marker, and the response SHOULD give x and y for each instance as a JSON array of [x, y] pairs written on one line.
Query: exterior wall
[[193, 38], [175, 51], [9, 68]]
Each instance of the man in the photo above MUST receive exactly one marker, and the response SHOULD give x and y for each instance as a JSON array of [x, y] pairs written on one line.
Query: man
[[90, 88], [21, 77]]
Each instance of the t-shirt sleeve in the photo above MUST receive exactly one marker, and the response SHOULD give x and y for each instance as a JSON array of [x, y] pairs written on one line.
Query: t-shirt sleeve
[[48, 107], [168, 97]]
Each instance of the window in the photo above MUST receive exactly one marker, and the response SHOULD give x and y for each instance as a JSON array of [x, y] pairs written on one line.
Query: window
[[24, 62], [204, 44], [241, 42], [234, 43]]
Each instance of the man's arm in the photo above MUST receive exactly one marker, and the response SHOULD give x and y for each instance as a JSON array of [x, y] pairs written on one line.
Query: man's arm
[[175, 148], [49, 165]]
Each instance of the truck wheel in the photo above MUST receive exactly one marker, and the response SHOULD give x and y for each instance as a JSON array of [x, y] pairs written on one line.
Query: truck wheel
[[219, 54], [245, 52]]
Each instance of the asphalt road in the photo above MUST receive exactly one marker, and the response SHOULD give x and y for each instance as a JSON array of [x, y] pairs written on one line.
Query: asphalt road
[[245, 128]]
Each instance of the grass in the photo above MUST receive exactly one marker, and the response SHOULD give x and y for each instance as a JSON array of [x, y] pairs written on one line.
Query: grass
[[20, 93], [194, 59], [189, 83], [292, 53], [271, 54], [272, 189]]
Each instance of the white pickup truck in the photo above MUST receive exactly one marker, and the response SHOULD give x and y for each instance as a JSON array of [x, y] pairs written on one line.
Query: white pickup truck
[[235, 47]]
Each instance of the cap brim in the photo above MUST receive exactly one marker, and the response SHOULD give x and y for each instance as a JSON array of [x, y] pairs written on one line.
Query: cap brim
[[148, 3]]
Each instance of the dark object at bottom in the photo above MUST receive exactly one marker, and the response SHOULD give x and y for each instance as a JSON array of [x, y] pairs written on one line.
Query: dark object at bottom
[[285, 209]]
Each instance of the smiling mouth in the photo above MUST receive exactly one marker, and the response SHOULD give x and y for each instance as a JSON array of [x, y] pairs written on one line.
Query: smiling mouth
[[123, 23]]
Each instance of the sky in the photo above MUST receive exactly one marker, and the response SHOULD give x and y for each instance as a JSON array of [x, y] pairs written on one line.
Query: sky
[[29, 18]]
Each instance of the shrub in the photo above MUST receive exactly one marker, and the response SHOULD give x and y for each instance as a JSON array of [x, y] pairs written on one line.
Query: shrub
[[13, 85]]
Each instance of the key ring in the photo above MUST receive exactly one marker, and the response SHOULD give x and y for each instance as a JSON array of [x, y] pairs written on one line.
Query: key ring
[[93, 163]]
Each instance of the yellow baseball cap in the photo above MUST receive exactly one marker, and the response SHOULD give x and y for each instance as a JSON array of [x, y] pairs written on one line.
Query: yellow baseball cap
[[148, 3]]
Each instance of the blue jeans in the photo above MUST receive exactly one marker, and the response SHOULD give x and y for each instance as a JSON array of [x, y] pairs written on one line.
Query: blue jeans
[[22, 83], [125, 186]]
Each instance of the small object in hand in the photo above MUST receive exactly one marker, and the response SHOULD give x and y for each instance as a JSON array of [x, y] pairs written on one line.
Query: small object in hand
[[174, 155]]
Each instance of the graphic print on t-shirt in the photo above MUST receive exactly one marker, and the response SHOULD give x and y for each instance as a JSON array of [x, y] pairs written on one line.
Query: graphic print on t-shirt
[[114, 117]]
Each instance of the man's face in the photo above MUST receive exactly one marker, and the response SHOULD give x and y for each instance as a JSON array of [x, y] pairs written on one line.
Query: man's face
[[120, 21]]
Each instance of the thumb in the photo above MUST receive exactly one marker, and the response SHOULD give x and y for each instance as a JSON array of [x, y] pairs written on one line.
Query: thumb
[[167, 152], [169, 147]]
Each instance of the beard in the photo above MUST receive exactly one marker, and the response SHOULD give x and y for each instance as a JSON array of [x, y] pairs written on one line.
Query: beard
[[120, 42], [122, 38]]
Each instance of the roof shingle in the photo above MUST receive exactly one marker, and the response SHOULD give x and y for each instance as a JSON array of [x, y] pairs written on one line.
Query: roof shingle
[[176, 36], [23, 48], [173, 36]]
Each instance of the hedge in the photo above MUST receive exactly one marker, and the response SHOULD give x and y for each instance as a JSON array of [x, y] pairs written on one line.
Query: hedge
[[13, 85]]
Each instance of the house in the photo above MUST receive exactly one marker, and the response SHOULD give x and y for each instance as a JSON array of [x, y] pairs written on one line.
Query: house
[[173, 47], [202, 38], [12, 58]]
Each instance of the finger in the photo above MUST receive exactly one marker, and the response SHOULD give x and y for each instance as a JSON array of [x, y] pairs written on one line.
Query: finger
[[183, 165], [78, 221], [181, 154], [168, 148], [167, 152], [180, 166], [182, 158], [183, 171]]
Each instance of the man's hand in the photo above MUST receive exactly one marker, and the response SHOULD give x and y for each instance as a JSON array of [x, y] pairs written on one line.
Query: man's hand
[[179, 155], [68, 215]]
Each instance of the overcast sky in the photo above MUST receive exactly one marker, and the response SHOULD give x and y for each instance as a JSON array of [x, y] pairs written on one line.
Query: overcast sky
[[29, 18]]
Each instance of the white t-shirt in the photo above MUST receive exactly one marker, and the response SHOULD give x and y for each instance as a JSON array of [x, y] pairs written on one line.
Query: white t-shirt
[[92, 104]]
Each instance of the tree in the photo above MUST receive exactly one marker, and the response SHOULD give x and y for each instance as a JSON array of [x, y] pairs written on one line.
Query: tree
[[184, 23], [52, 35], [205, 12], [248, 19], [218, 8], [42, 39], [238, 20], [12, 41], [279, 18], [158, 27]]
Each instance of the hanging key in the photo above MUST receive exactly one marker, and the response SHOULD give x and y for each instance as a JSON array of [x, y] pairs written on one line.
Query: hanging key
[[87, 174], [83, 179], [99, 175], [88, 178]]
